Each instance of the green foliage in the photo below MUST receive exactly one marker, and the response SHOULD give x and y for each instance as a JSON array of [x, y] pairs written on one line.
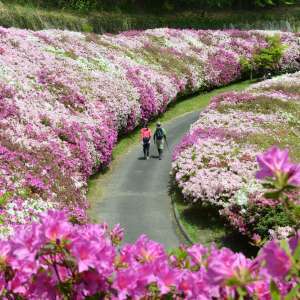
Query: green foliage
[[268, 58], [152, 5], [265, 60], [89, 19], [275, 292], [264, 3], [87, 27], [269, 218], [247, 67], [4, 198]]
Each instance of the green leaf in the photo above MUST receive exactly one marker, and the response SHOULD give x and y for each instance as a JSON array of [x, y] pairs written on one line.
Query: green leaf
[[4, 198], [296, 211], [232, 281], [296, 255], [268, 185], [294, 293], [242, 293], [273, 195], [285, 246], [275, 293]]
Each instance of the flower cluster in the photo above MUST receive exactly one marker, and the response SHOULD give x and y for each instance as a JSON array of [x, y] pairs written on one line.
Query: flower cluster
[[54, 259], [275, 163], [65, 97], [215, 162]]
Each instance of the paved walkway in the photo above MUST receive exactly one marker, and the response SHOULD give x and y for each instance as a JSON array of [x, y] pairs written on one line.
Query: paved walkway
[[136, 195]]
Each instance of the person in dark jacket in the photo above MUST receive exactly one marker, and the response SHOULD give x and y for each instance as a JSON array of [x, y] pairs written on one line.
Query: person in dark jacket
[[160, 139]]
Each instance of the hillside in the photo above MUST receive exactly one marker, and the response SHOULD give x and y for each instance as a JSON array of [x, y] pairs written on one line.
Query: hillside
[[113, 21], [66, 96]]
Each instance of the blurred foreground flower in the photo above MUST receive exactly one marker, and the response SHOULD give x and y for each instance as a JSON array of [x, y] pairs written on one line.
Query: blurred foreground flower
[[275, 163]]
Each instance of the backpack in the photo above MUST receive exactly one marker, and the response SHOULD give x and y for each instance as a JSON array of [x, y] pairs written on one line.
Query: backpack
[[159, 134]]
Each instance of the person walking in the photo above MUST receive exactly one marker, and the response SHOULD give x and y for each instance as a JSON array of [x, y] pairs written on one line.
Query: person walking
[[146, 135], [159, 138]]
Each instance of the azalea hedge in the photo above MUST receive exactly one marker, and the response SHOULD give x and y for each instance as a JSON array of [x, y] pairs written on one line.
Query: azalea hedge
[[215, 162], [65, 97], [53, 258]]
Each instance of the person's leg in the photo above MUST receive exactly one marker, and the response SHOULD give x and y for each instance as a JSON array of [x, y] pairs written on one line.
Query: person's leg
[[144, 150], [148, 150], [160, 154]]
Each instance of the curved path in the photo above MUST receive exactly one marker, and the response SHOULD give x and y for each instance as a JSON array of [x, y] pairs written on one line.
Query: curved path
[[136, 194]]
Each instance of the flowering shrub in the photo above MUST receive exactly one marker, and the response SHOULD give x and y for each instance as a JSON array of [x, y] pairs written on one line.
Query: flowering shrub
[[54, 259], [65, 97], [215, 162]]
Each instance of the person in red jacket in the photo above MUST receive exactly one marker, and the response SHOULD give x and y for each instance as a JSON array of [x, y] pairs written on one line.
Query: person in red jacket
[[146, 135]]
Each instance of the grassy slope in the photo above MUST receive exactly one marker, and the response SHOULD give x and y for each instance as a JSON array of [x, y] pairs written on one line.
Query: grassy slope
[[13, 15], [204, 225]]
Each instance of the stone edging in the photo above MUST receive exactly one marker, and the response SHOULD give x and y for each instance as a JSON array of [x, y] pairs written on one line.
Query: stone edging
[[180, 225]]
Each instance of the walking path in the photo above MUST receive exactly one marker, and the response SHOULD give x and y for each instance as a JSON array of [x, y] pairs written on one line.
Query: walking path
[[136, 194]]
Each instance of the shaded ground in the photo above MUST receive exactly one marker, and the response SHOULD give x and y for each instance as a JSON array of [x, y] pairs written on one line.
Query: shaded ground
[[204, 225]]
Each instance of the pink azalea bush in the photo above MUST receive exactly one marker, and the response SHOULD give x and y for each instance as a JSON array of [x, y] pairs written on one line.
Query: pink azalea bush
[[216, 162], [66, 96], [55, 259]]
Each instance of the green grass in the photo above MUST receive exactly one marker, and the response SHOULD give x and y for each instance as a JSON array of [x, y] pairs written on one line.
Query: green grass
[[31, 17], [177, 109], [205, 226]]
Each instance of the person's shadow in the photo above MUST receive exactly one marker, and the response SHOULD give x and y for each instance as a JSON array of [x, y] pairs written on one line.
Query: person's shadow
[[151, 156]]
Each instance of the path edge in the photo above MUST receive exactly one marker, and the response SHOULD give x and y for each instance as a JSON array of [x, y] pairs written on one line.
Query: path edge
[[180, 225]]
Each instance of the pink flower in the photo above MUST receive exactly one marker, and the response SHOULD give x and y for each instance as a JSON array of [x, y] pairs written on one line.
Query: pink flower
[[275, 163], [56, 226], [261, 290], [294, 241], [125, 283], [148, 251], [256, 238], [197, 252], [117, 234], [167, 278], [294, 175], [277, 261], [84, 253], [220, 266], [272, 162], [224, 264]]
